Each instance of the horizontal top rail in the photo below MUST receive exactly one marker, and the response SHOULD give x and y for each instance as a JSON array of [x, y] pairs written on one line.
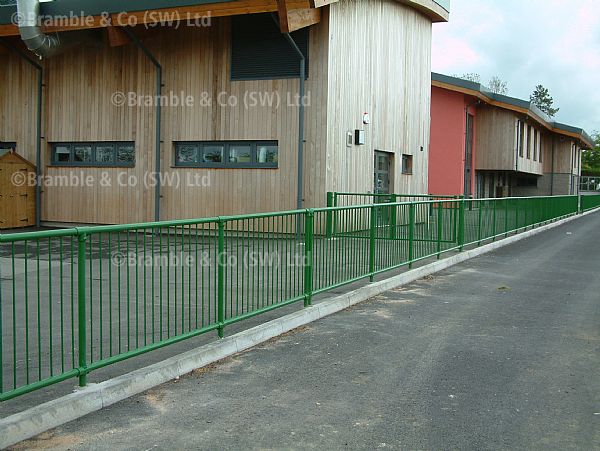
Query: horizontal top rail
[[76, 231]]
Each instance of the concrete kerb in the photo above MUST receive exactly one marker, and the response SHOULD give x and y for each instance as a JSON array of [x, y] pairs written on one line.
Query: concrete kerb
[[36, 420]]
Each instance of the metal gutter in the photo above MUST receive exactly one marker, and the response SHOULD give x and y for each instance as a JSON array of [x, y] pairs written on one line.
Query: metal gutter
[[159, 86], [38, 150]]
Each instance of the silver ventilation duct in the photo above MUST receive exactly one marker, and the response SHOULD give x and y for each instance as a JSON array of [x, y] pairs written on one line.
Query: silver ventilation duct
[[42, 44]]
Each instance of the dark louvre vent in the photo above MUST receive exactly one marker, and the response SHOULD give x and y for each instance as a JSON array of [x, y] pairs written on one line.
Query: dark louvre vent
[[259, 51]]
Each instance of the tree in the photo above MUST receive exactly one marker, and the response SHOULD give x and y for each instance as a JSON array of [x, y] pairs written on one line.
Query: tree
[[471, 76], [542, 99], [590, 160], [497, 85]]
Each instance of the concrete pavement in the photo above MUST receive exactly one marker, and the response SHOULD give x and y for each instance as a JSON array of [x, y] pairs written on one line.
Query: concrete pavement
[[500, 352]]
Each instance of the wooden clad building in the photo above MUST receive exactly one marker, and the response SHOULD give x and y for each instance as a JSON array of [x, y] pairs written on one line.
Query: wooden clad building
[[489, 145], [229, 108]]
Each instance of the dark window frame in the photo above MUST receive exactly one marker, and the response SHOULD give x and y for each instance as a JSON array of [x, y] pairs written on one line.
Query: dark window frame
[[93, 162], [407, 164], [528, 142], [9, 145], [226, 164], [520, 138]]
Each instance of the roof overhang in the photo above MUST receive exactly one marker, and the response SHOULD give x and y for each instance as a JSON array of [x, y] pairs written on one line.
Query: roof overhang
[[521, 106], [437, 11], [70, 15]]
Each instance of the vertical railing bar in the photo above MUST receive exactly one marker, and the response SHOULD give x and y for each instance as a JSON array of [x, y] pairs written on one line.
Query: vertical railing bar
[[152, 286], [182, 280], [479, 222], [196, 265], [373, 225], [220, 278], [90, 239], [14, 309], [440, 220], [72, 247], [160, 284], [26, 256], [168, 267], [128, 285], [39, 313], [411, 235], [145, 289], [186, 262], [308, 256], [461, 224], [111, 262], [81, 306], [100, 293], [50, 318]]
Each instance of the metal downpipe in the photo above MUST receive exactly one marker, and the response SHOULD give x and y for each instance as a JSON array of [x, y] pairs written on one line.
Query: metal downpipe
[[299, 199], [38, 149], [158, 126]]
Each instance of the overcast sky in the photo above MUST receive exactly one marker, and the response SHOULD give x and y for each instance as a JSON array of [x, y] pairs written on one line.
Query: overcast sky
[[528, 42]]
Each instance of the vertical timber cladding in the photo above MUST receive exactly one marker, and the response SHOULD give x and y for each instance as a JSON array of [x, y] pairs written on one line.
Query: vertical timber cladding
[[495, 139], [79, 87], [195, 62], [384, 70], [18, 103], [202, 59]]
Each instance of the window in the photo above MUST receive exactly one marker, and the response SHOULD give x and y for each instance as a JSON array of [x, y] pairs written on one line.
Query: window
[[529, 182], [535, 145], [407, 164], [528, 142], [259, 51], [227, 154], [540, 148], [520, 136], [7, 147], [116, 154]]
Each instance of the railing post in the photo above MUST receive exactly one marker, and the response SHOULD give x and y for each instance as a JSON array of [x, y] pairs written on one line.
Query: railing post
[[81, 308], [335, 215], [329, 215], [411, 234], [440, 220], [372, 230], [309, 217], [479, 222], [221, 278], [461, 224], [506, 217], [455, 208], [393, 217], [494, 217]]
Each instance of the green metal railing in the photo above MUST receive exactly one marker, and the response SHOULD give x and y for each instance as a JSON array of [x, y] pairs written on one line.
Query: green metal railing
[[76, 300], [341, 199], [589, 202]]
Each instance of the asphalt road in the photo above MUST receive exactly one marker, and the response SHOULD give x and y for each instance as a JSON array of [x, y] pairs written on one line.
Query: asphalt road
[[500, 352]]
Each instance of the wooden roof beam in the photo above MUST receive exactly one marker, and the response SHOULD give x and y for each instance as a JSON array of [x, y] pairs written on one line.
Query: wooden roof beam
[[294, 19], [116, 37]]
